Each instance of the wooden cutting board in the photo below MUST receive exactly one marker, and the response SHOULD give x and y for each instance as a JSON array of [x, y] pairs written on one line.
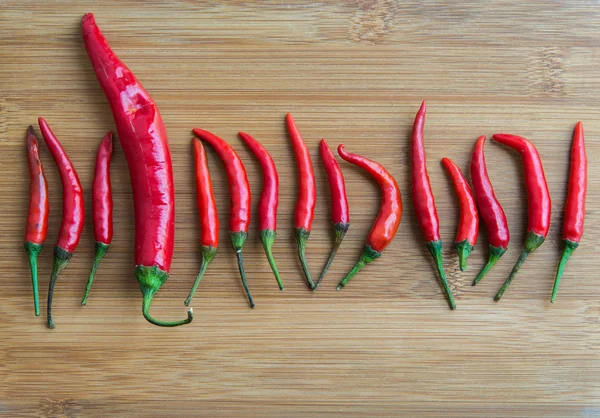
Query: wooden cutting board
[[354, 73]]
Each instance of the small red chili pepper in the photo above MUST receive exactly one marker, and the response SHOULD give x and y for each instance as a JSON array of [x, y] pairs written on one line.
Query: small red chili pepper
[[490, 210], [73, 210], [468, 225], [239, 198], [207, 210], [36, 228], [390, 213], [102, 207], [307, 195], [269, 200], [424, 202], [539, 202], [575, 206], [340, 214]]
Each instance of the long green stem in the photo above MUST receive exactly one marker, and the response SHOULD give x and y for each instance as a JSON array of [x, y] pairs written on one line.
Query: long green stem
[[368, 255], [267, 237], [238, 239], [32, 254], [495, 254], [339, 230], [61, 259], [301, 237], [101, 249], [208, 253], [569, 248], [435, 248], [463, 248]]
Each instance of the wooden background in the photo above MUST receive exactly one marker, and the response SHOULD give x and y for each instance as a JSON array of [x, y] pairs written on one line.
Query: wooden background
[[352, 72]]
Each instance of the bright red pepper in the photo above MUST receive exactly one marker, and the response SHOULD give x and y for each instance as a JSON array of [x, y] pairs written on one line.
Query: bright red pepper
[[239, 198], [538, 198], [424, 202], [36, 228], [269, 200], [575, 206], [145, 144], [390, 213], [73, 210]]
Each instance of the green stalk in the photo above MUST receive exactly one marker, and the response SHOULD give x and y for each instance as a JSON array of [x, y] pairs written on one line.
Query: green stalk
[[301, 237], [101, 249], [238, 239], [569, 248], [495, 254], [435, 248], [463, 248], [267, 237], [32, 254], [208, 253], [368, 255], [61, 259], [339, 230]]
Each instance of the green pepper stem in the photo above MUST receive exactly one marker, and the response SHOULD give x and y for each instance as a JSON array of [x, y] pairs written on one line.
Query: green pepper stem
[[463, 248], [495, 254], [101, 249], [339, 230], [208, 253], [435, 248], [301, 237], [61, 259], [267, 237], [32, 254], [368, 255], [238, 239], [570, 246]]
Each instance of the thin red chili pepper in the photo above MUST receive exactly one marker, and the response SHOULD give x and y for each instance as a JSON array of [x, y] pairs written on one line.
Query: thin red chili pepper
[[145, 144], [390, 213], [207, 210], [269, 200], [575, 206], [73, 210], [424, 202], [490, 210], [102, 207], [340, 214], [468, 224], [538, 198], [36, 228], [307, 195], [239, 198]]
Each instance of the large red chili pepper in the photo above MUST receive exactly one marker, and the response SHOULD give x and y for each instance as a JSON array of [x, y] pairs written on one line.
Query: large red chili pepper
[[307, 195], [144, 141], [36, 228], [207, 210], [102, 207], [468, 224], [424, 202], [269, 200], [490, 209], [239, 198], [390, 213], [73, 210], [575, 206], [340, 214], [539, 202]]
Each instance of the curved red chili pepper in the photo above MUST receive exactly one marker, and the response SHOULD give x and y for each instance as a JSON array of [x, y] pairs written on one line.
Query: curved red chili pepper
[[468, 224], [390, 213], [575, 206], [145, 144], [102, 207], [73, 210], [239, 198], [424, 202], [538, 198], [269, 200], [307, 195], [36, 228]]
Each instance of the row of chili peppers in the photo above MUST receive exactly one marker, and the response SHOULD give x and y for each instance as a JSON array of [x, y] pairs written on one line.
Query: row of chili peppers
[[144, 141]]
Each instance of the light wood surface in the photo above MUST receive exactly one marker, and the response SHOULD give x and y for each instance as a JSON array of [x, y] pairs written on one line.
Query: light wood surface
[[352, 72]]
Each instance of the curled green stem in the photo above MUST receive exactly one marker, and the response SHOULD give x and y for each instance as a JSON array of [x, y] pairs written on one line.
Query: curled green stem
[[339, 230], [495, 254], [208, 253], [368, 255], [61, 259], [101, 249], [570, 246], [32, 254], [301, 237], [267, 237], [435, 248], [463, 248], [238, 239]]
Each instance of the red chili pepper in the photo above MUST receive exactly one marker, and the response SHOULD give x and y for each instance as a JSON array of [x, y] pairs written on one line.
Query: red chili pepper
[[239, 198], [269, 200], [144, 141], [73, 210], [490, 209], [390, 213], [36, 228], [575, 206], [207, 210], [307, 195], [340, 214], [468, 225], [102, 207], [539, 202], [424, 201]]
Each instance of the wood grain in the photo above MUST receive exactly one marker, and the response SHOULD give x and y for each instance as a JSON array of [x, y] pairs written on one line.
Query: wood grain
[[352, 72]]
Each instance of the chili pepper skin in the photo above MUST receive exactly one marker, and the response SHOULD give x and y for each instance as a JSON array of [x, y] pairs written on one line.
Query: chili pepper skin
[[145, 145], [36, 228], [424, 201], [239, 198], [307, 195], [538, 200], [269, 200], [73, 210], [340, 213], [207, 210], [102, 207], [390, 213], [468, 225], [575, 206]]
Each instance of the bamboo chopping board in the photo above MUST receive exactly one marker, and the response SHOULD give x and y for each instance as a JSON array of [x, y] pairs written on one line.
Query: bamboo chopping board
[[352, 72]]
